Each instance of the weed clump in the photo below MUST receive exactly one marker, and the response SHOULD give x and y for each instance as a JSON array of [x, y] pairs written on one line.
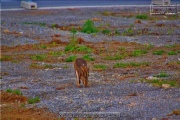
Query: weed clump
[[71, 58], [158, 52], [142, 16], [89, 27], [39, 57], [88, 58], [100, 67], [33, 100], [16, 92]]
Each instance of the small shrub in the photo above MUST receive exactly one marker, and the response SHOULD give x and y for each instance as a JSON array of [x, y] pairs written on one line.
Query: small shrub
[[56, 53], [42, 46], [88, 58], [39, 57], [158, 52], [6, 58], [70, 47], [159, 83], [33, 100], [142, 16], [172, 53], [100, 67], [71, 58], [9, 90], [106, 31], [89, 27], [83, 48], [138, 53], [16, 92], [162, 74]]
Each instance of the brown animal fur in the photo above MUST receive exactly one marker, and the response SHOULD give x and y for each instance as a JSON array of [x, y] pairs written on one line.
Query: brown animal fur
[[82, 71]]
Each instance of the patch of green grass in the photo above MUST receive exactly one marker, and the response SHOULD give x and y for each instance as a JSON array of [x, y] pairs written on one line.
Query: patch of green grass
[[65, 67], [162, 74], [71, 58], [172, 53], [128, 31], [35, 23], [83, 48], [142, 16], [107, 32], [137, 53], [16, 92], [117, 32], [38, 66], [9, 90], [115, 57], [131, 64], [33, 100], [39, 57], [6, 58], [42, 46], [70, 47], [100, 67], [122, 48], [171, 46], [57, 53], [159, 83], [89, 27], [88, 58], [158, 52]]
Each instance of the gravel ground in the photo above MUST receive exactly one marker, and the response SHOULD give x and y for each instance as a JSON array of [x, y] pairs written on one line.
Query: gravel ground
[[56, 87]]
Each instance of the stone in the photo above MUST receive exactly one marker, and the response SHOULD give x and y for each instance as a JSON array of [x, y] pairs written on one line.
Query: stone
[[165, 86]]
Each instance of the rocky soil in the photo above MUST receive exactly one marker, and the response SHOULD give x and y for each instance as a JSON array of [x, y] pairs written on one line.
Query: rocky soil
[[114, 93]]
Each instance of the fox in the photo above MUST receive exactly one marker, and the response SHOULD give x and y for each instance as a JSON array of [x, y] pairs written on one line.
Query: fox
[[81, 71]]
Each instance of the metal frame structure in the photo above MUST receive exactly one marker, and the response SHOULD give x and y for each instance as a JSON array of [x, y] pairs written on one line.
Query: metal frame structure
[[159, 7]]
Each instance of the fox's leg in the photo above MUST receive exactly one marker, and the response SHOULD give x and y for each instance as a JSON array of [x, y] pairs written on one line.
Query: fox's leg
[[77, 79]]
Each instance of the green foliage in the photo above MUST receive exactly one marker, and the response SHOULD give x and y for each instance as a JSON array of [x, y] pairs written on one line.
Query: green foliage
[[142, 16], [9, 90], [156, 82], [57, 53], [38, 66], [137, 53], [70, 47], [128, 31], [115, 57], [42, 46], [100, 67], [162, 74], [106, 31], [88, 58], [6, 58], [39, 57], [73, 31], [33, 100], [158, 52], [71, 58], [131, 64], [83, 48], [172, 53], [89, 27], [16, 92], [53, 25]]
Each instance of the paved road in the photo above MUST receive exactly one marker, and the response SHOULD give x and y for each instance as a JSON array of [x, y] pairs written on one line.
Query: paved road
[[10, 4]]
